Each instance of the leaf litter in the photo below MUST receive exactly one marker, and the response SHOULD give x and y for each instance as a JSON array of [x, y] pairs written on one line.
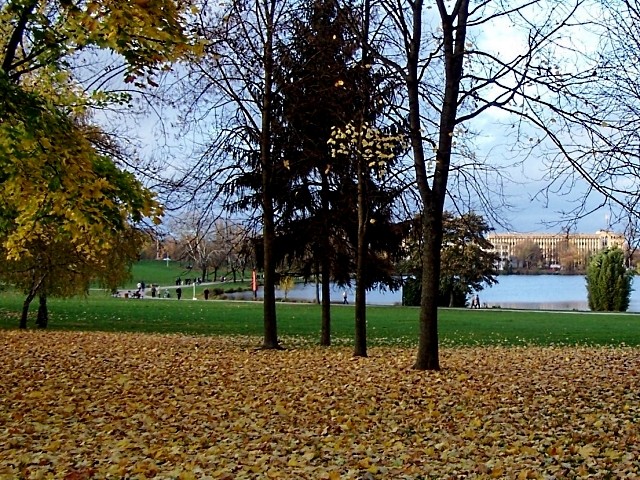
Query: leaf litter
[[100, 405]]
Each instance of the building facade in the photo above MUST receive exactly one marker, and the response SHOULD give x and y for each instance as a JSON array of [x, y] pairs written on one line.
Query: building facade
[[555, 248]]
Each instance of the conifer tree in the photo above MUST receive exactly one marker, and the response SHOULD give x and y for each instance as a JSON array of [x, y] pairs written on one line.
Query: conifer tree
[[328, 85], [608, 282]]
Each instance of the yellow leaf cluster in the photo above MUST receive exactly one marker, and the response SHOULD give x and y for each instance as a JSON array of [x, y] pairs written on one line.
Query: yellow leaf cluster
[[377, 148], [98, 405]]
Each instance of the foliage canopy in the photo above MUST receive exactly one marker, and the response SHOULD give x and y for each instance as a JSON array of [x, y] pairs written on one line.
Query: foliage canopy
[[68, 212]]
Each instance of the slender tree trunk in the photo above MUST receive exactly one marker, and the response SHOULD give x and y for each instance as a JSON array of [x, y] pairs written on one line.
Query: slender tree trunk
[[360, 349], [325, 334], [269, 302], [35, 287], [428, 354], [25, 309], [43, 312]]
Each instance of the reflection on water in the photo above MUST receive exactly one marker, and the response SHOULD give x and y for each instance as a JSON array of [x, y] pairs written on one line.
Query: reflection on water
[[539, 305], [534, 292]]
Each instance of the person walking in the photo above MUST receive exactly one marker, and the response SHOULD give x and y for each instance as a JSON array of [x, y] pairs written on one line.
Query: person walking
[[344, 298], [178, 293]]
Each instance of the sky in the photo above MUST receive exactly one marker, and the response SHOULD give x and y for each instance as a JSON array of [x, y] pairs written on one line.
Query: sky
[[528, 213], [531, 211]]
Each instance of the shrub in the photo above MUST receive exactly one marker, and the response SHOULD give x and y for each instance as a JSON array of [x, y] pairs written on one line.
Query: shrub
[[608, 282]]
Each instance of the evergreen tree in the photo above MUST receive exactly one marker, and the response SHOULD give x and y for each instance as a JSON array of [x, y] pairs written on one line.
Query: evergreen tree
[[608, 282], [324, 85], [311, 80]]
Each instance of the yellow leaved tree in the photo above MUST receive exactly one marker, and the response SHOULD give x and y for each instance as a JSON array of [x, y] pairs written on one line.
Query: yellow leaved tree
[[68, 213]]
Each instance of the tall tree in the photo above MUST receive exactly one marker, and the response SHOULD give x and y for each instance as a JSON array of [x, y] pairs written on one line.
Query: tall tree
[[325, 60], [69, 215], [233, 87], [447, 80], [66, 206], [372, 152], [589, 126], [317, 64]]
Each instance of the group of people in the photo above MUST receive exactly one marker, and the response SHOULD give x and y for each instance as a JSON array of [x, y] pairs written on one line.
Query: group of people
[[155, 292], [189, 281], [475, 301]]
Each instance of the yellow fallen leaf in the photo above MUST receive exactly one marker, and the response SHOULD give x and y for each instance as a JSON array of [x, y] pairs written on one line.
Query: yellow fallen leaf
[[587, 451]]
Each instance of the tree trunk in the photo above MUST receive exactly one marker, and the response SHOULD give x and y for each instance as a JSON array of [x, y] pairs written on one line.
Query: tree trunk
[[43, 313], [269, 302], [428, 354], [454, 37], [360, 349], [325, 334], [269, 289], [25, 309]]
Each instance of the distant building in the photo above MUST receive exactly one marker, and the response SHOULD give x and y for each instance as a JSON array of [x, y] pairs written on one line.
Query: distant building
[[552, 244]]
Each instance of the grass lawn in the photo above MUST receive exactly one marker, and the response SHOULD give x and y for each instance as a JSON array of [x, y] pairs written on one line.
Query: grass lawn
[[159, 272], [387, 325]]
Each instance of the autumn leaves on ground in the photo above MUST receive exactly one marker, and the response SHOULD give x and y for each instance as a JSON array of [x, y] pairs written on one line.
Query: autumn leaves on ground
[[94, 405]]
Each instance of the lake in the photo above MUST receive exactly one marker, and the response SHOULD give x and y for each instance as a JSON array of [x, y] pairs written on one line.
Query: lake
[[536, 292], [543, 292]]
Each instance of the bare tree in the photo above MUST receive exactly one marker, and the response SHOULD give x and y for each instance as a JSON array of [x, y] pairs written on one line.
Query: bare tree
[[448, 79], [195, 237], [529, 253], [231, 91], [589, 124]]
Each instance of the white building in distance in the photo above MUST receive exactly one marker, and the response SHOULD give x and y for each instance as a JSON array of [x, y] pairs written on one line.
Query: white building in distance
[[583, 245]]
